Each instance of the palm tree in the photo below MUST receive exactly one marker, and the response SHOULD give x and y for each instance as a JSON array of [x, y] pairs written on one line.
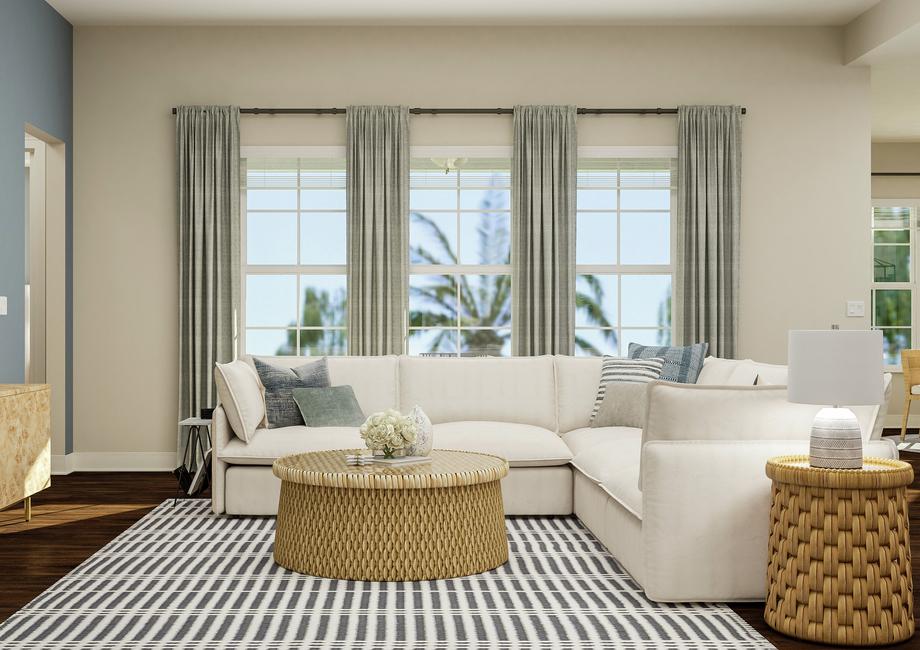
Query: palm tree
[[484, 300], [320, 307], [590, 304], [664, 319]]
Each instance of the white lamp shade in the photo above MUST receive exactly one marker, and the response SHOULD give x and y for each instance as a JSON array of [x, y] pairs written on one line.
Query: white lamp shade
[[835, 367]]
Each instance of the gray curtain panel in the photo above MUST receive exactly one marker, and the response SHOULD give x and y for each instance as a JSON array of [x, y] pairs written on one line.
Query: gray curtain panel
[[708, 226], [543, 229], [377, 164], [208, 156]]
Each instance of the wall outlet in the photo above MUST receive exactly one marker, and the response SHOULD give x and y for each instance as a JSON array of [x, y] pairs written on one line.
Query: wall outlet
[[856, 308], [2, 305]]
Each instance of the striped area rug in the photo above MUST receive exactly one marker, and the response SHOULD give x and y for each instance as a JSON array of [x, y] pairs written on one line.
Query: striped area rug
[[183, 577]]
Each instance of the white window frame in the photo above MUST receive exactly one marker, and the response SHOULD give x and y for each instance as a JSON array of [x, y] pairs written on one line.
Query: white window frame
[[619, 269], [501, 152], [914, 230], [338, 152], [298, 270]]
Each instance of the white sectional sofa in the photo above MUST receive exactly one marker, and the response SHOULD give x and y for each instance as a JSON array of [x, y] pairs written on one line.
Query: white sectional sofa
[[683, 505]]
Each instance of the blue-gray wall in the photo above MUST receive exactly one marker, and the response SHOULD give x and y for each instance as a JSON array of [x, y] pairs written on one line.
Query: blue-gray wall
[[36, 87]]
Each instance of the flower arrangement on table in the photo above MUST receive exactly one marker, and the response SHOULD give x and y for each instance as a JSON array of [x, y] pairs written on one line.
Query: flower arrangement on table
[[389, 431]]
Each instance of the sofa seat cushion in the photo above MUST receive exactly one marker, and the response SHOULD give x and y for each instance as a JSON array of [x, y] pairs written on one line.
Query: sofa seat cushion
[[614, 465], [623, 487], [522, 445], [267, 445], [587, 437]]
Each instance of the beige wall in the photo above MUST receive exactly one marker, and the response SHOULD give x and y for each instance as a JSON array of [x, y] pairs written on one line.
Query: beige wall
[[806, 155], [896, 157]]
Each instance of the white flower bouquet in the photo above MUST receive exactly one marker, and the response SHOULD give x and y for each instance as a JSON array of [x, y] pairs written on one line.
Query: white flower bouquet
[[388, 431]]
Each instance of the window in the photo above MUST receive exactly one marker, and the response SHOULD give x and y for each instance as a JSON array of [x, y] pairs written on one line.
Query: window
[[460, 254], [293, 255], [893, 275], [294, 250], [623, 253]]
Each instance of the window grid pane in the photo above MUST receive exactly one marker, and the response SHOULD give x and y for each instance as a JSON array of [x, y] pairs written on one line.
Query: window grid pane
[[304, 198], [623, 254], [460, 221], [892, 309]]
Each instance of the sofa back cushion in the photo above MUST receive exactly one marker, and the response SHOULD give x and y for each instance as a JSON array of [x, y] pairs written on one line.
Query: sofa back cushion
[[683, 412], [577, 379], [692, 412], [519, 389], [373, 379], [727, 372]]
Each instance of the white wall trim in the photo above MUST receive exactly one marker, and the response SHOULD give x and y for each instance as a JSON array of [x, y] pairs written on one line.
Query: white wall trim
[[114, 461], [62, 463]]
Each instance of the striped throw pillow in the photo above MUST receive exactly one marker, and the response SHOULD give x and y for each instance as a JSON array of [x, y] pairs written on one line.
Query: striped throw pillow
[[617, 369]]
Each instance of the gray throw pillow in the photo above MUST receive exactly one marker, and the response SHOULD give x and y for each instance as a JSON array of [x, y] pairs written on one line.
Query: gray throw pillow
[[623, 406], [681, 364], [279, 382], [335, 406]]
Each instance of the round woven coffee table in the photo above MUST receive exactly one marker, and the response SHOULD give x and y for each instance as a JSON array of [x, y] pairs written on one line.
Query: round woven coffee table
[[418, 522], [839, 552]]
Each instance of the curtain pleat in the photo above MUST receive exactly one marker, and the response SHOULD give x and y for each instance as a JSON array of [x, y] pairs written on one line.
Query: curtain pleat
[[543, 183], [708, 226], [208, 162], [377, 164]]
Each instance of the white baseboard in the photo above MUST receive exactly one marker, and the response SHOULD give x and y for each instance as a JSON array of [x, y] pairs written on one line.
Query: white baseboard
[[62, 463], [114, 461]]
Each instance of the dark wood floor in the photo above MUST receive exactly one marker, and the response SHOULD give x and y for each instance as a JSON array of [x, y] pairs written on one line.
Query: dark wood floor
[[83, 511]]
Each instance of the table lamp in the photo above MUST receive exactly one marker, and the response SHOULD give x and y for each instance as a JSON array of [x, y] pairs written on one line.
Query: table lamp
[[835, 368]]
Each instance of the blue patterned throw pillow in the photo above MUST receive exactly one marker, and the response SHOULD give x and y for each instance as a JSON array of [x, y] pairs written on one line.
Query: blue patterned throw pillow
[[681, 364], [280, 408]]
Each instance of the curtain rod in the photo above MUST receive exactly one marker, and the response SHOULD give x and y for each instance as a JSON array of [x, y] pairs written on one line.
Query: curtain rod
[[896, 173], [459, 111]]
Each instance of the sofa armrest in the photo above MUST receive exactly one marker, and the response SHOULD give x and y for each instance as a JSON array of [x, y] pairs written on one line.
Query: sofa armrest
[[220, 434], [705, 516]]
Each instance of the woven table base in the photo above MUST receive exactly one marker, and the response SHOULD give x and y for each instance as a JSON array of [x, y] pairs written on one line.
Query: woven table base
[[839, 556], [415, 534]]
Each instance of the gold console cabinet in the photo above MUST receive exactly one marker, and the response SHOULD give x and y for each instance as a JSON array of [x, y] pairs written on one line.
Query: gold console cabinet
[[25, 443]]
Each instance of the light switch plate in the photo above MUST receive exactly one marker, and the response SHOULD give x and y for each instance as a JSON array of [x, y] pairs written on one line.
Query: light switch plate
[[2, 305], [856, 308]]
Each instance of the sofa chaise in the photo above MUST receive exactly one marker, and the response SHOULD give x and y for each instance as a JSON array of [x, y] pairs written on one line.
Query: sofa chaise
[[682, 504]]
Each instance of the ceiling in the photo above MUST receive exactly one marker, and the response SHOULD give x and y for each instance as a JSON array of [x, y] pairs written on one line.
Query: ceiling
[[464, 12]]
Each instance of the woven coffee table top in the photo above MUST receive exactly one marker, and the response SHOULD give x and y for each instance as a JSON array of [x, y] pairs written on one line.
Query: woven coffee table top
[[875, 473], [446, 469]]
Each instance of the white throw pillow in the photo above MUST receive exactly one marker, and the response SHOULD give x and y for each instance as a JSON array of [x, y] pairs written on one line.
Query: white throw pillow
[[727, 372], [769, 374], [240, 393]]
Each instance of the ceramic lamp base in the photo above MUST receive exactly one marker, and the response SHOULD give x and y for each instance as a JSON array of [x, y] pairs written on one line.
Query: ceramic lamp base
[[836, 440]]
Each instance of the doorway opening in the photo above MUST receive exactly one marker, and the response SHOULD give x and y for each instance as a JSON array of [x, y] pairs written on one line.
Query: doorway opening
[[45, 290]]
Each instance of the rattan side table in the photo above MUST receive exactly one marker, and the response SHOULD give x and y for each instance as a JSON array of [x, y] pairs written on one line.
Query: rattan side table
[[442, 519], [839, 553]]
